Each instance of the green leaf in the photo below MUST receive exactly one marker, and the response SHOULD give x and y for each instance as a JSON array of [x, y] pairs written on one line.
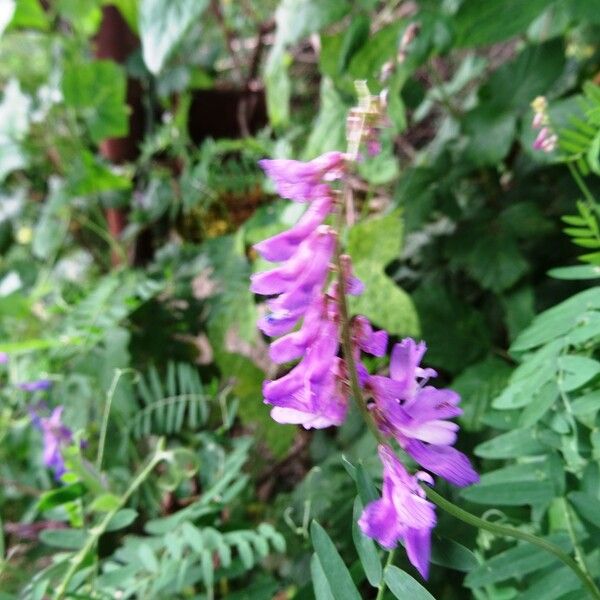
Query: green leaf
[[586, 505], [29, 14], [123, 518], [515, 562], [163, 25], [403, 586], [576, 371], [373, 244], [557, 321], [448, 553], [97, 91], [68, 539], [354, 38], [105, 503], [365, 548], [588, 403], [514, 444], [482, 124], [329, 129], [319, 580], [52, 225], [484, 23], [60, 496], [576, 272], [84, 15], [336, 573]]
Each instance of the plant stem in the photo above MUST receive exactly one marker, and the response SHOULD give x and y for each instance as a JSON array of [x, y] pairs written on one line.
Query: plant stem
[[388, 562], [582, 185], [579, 555], [505, 531], [346, 335], [98, 530]]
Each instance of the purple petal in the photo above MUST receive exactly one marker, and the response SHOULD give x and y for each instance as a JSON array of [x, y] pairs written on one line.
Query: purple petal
[[36, 385], [283, 245], [445, 461], [418, 549], [379, 521]]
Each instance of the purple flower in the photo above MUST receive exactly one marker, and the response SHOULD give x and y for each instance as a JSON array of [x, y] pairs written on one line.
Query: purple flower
[[402, 512], [3, 358], [308, 265], [367, 340], [545, 140], [56, 436], [303, 181], [312, 394], [283, 245], [416, 415], [37, 385]]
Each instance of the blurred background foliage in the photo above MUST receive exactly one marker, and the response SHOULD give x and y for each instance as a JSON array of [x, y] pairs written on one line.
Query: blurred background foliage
[[129, 200]]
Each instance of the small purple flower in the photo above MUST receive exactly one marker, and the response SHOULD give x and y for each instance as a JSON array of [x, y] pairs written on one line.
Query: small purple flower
[[416, 415], [303, 181], [402, 512], [308, 265], [312, 393], [545, 140], [3, 358], [367, 340], [56, 436], [283, 245], [37, 385]]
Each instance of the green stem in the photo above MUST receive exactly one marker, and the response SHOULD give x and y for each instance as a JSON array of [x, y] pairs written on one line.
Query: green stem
[[511, 532], [98, 530], [582, 185], [107, 406], [381, 588], [579, 555], [346, 334]]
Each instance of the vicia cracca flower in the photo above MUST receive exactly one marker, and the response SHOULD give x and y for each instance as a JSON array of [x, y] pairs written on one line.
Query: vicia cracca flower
[[37, 385], [308, 313], [56, 437], [416, 414], [402, 512]]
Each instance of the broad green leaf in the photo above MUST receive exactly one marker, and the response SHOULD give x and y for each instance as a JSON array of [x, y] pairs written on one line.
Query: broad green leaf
[[554, 584], [448, 553], [403, 586], [514, 444], [319, 580], [575, 273], [68, 539], [482, 124], [354, 38], [329, 129], [540, 403], [586, 505], [123, 518], [366, 548], [588, 403], [60, 496], [576, 370], [557, 321], [525, 492], [337, 574], [97, 91], [484, 23], [373, 244], [516, 562], [105, 503], [84, 16], [162, 26], [29, 14]]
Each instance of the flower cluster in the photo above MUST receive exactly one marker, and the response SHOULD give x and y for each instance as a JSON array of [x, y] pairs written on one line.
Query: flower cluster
[[305, 310], [56, 436], [546, 140]]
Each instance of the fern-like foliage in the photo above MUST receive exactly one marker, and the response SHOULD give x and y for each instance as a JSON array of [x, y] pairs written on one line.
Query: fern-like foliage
[[163, 566], [170, 405], [580, 141], [584, 231]]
